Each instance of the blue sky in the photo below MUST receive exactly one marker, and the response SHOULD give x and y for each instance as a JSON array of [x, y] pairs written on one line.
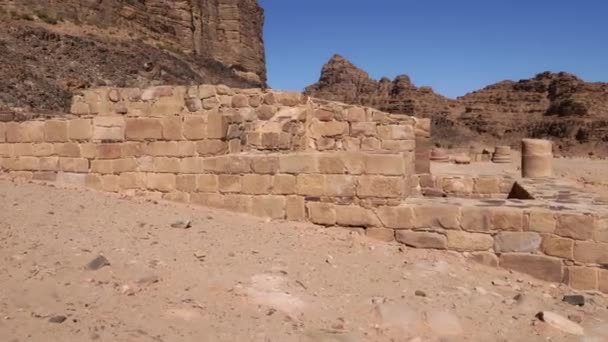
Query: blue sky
[[455, 46]]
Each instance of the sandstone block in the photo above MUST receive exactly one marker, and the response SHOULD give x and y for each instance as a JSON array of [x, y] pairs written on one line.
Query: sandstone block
[[73, 179], [194, 127], [238, 203], [23, 149], [56, 131], [370, 144], [163, 182], [217, 126], [380, 186], [476, 219], [328, 128], [269, 206], [331, 164], [558, 247], [177, 196], [539, 266], [487, 185], [133, 149], [521, 242], [108, 151], [80, 129], [110, 183], [29, 131], [240, 101], [396, 132], [256, 184], [49, 164], [576, 226], [396, 217], [582, 278], [295, 209], [354, 162], [172, 128], [233, 164], [207, 183], [186, 183], [43, 150], [541, 221], [355, 114], [162, 148], [310, 185], [229, 183], [2, 132], [323, 115], [356, 216], [380, 234], [191, 165], [398, 145], [46, 176], [67, 150], [102, 166], [384, 164], [141, 129], [206, 91], [298, 163], [367, 129], [603, 280], [124, 165], [437, 216], [23, 163], [284, 184], [507, 219], [132, 180], [465, 241], [108, 128], [6, 150], [166, 165], [75, 165], [321, 213], [421, 239], [213, 200], [458, 185], [591, 252], [211, 147], [265, 164], [340, 186], [485, 258]]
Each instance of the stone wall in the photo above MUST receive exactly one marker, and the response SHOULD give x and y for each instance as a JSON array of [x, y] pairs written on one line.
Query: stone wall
[[465, 186]]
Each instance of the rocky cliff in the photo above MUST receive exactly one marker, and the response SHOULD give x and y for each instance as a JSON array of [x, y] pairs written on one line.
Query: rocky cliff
[[50, 47], [559, 106]]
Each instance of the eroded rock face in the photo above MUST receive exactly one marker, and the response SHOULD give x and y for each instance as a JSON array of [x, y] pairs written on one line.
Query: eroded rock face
[[558, 106], [126, 43]]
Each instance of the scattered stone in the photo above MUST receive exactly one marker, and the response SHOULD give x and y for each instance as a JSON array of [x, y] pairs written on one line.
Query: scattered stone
[[199, 255], [497, 282], [574, 299], [97, 263], [148, 280], [182, 224], [561, 323], [420, 293], [58, 319]]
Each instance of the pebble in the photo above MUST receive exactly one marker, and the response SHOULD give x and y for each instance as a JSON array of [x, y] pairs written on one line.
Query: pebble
[[182, 224], [57, 319], [97, 263], [420, 293]]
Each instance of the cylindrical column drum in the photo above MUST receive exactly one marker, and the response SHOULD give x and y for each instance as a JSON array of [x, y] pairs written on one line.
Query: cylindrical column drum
[[439, 155], [502, 154], [536, 158]]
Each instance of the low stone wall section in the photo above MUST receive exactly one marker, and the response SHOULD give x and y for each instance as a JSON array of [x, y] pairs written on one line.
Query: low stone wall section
[[466, 186]]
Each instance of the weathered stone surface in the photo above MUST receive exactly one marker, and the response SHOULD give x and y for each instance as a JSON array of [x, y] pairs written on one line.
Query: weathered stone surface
[[143, 129], [380, 186], [576, 226], [229, 183], [558, 247], [485, 258], [538, 266], [591, 252], [321, 213], [541, 221], [256, 184], [384, 164], [381, 234], [476, 219], [340, 186], [269, 206], [507, 219], [356, 216], [421, 239], [295, 209], [522, 242], [465, 241], [163, 182], [582, 278], [437, 216], [396, 217], [310, 185]]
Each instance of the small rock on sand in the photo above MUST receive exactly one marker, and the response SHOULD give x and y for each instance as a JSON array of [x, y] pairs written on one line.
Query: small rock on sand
[[97, 263]]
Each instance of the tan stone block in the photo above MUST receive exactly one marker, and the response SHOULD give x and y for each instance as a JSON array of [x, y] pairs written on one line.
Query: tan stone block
[[163, 182], [351, 144], [21, 175], [29, 131], [162, 148], [367, 129], [539, 266], [269, 206], [80, 129], [356, 216], [233, 164], [211, 147], [485, 258], [194, 127], [102, 166], [43, 149], [331, 164], [299, 163], [265, 164], [240, 101], [67, 150], [75, 165], [207, 183], [284, 184], [476, 219], [398, 145], [93, 181], [469, 242], [2, 132], [192, 165], [354, 162], [229, 183], [321, 213], [355, 114], [340, 186], [487, 185], [217, 126], [601, 229], [24, 163], [6, 150], [576, 226], [396, 132], [72, 179], [507, 219], [238, 203], [519, 242], [558, 247], [457, 185], [603, 280], [186, 183], [437, 216], [110, 183], [371, 144], [166, 165], [108, 128], [108, 151], [380, 186], [582, 278], [133, 149], [384, 164], [23, 149], [328, 128], [186, 149], [396, 217], [46, 176], [380, 234], [323, 115], [132, 180], [177, 196], [141, 129], [56, 131], [124, 165], [256, 184], [49, 164], [206, 91], [172, 128], [541, 221], [212, 200], [421, 239], [591, 252], [310, 185], [295, 209]]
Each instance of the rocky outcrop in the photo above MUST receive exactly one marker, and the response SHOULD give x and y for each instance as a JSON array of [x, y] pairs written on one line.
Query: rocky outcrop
[[50, 47], [559, 106]]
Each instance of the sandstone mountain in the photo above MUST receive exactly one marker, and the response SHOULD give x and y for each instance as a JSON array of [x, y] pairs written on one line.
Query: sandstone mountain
[[559, 106], [49, 48]]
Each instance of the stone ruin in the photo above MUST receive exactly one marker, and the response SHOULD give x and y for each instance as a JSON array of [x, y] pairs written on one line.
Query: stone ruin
[[285, 156]]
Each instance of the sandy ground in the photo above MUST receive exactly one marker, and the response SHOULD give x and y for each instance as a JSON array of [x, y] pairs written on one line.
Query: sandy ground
[[236, 278]]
